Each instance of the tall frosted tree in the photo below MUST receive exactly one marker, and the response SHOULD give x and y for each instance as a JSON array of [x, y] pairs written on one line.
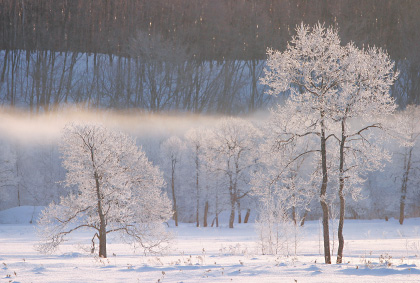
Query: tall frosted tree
[[117, 190], [332, 84]]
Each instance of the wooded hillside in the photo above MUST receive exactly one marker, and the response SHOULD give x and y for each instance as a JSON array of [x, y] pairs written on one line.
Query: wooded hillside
[[41, 38]]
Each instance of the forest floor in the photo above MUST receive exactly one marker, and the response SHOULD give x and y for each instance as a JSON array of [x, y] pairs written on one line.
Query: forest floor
[[375, 251]]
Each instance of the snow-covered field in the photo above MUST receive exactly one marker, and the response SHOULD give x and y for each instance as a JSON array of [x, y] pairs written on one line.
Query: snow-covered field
[[375, 251]]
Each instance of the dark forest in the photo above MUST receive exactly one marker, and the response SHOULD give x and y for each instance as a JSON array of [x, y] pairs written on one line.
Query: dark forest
[[201, 56]]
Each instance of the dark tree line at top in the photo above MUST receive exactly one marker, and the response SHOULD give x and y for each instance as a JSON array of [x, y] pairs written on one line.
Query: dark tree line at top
[[45, 43]]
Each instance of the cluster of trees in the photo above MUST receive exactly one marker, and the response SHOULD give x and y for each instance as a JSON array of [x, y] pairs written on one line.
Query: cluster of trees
[[218, 173], [222, 159], [159, 77], [331, 85], [321, 145], [114, 188], [212, 30], [328, 134], [204, 56]]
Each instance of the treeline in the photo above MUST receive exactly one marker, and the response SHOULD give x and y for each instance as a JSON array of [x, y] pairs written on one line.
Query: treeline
[[48, 80], [194, 163], [212, 29], [103, 53]]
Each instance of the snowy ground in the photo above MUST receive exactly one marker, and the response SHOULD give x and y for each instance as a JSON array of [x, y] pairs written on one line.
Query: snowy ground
[[216, 255]]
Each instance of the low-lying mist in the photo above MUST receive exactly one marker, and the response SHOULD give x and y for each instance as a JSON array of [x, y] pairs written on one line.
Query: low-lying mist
[[29, 144], [45, 128]]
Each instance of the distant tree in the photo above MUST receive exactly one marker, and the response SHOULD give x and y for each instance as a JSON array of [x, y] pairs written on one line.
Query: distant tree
[[160, 60], [231, 153], [282, 185], [411, 118], [333, 84], [195, 139], [118, 190], [8, 177], [172, 150]]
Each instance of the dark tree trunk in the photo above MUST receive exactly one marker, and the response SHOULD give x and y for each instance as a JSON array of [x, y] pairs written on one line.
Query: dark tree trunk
[[402, 205], [197, 217], [239, 211], [206, 211], [253, 86], [341, 195], [4, 65], [102, 222], [174, 207], [102, 241], [323, 194], [294, 215], [302, 222], [232, 195], [407, 167], [217, 211], [232, 214], [248, 212]]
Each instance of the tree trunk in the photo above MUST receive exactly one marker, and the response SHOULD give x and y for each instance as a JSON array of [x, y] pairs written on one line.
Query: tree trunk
[[102, 222], [197, 217], [402, 205], [323, 194], [174, 207], [4, 66], [232, 214], [102, 241], [253, 85], [340, 227], [239, 211], [232, 204], [248, 212], [302, 222], [341, 195], [206, 211], [217, 210], [294, 215], [17, 175], [407, 167]]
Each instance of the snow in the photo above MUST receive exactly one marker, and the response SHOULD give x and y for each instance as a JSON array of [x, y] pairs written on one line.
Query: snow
[[375, 251], [20, 215]]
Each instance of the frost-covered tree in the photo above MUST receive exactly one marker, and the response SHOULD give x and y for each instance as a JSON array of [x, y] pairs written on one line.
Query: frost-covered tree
[[231, 152], [333, 84], [172, 150], [362, 102], [195, 139], [282, 184], [411, 118], [8, 177], [117, 189]]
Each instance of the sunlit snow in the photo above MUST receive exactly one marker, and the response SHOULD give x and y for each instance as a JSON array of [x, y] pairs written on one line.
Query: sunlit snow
[[375, 251]]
